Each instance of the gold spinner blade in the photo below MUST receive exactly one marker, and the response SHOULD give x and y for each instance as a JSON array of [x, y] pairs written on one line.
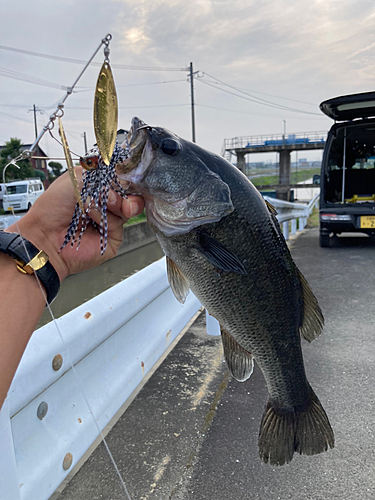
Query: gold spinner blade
[[105, 113], [69, 161]]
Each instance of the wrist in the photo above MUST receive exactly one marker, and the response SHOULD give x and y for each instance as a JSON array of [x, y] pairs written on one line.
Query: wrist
[[30, 229]]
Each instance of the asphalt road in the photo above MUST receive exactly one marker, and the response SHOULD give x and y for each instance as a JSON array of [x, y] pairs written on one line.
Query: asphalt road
[[191, 433]]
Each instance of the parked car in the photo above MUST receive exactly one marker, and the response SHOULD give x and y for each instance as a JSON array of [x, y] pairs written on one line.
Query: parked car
[[347, 179], [2, 191], [22, 194]]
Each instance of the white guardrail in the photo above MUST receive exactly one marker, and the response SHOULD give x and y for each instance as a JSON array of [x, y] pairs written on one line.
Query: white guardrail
[[8, 220], [113, 341], [294, 212]]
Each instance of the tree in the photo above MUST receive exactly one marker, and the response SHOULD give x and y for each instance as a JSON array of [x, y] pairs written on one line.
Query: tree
[[40, 174], [56, 168], [11, 150]]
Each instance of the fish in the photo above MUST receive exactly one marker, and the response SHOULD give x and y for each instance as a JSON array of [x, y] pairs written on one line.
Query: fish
[[223, 242]]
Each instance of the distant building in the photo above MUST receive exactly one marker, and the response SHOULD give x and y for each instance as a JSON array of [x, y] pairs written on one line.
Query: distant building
[[121, 134]]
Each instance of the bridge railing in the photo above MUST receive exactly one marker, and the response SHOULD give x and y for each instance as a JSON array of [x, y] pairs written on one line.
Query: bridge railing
[[274, 140]]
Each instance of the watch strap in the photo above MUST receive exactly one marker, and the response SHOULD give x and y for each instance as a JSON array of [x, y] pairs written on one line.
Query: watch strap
[[23, 251]]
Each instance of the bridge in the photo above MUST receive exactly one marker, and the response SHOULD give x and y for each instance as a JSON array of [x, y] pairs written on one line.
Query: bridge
[[282, 144]]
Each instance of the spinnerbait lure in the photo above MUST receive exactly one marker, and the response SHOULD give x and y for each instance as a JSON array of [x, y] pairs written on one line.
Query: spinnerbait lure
[[96, 186]]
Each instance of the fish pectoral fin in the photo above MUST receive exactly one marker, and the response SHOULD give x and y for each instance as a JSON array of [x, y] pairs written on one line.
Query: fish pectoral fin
[[313, 320], [177, 280], [239, 361], [218, 255]]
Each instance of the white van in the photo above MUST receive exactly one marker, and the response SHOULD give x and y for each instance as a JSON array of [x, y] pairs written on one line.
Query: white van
[[2, 191], [21, 195]]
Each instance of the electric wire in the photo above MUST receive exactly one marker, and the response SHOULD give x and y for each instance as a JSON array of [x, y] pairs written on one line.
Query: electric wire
[[249, 97], [78, 61], [15, 75], [15, 117], [252, 113], [268, 95]]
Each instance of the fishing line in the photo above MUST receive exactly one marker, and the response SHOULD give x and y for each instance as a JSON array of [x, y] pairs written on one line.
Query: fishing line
[[73, 368], [27, 154], [55, 138]]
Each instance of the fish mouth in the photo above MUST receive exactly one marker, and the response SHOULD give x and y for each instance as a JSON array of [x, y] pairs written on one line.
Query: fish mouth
[[137, 134], [135, 144]]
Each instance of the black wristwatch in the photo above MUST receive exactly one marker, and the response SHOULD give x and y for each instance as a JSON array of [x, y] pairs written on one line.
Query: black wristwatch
[[30, 260]]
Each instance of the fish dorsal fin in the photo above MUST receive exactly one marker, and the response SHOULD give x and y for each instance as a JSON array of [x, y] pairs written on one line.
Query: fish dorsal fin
[[313, 320], [177, 280], [271, 208], [239, 361], [218, 255]]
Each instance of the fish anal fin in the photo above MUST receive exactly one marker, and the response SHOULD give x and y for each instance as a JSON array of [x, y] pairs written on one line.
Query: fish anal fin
[[313, 320], [239, 361], [177, 280], [282, 433], [218, 255]]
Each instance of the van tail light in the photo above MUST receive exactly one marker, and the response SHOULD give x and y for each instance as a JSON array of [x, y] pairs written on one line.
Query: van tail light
[[335, 217]]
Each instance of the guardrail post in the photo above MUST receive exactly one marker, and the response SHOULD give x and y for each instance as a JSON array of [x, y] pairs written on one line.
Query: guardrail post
[[286, 230], [212, 325], [294, 226]]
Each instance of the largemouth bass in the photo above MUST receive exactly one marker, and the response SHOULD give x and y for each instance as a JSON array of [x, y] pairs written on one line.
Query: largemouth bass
[[223, 241]]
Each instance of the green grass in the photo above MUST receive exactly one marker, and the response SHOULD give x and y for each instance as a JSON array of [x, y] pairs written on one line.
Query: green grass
[[138, 218], [299, 176], [313, 220]]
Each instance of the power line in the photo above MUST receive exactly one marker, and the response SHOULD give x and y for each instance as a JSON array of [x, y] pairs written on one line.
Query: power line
[[136, 84], [15, 117], [133, 107], [15, 75], [269, 95], [257, 114], [252, 98], [78, 61]]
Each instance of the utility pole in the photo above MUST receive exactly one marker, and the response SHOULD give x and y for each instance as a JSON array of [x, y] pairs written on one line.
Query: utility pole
[[85, 141], [35, 124], [192, 102]]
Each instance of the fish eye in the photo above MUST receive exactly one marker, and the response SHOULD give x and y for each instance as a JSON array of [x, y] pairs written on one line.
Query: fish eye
[[170, 147], [89, 162]]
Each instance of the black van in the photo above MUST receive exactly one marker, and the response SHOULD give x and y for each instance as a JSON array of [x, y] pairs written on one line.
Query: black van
[[347, 179]]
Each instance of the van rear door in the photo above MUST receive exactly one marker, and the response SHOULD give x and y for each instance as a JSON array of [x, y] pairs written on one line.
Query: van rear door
[[350, 107]]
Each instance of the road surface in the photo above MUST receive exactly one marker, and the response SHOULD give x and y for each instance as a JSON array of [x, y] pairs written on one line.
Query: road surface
[[191, 433]]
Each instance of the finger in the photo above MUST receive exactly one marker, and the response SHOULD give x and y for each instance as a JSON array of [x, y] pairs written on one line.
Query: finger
[[114, 203], [132, 206], [114, 222]]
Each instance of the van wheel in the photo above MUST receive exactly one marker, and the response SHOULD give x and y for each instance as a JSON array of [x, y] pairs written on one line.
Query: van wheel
[[29, 206], [324, 240]]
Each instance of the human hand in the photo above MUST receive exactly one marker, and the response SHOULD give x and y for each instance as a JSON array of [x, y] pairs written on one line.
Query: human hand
[[46, 223]]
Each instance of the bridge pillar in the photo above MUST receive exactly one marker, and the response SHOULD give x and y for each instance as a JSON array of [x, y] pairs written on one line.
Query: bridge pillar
[[241, 163], [283, 190]]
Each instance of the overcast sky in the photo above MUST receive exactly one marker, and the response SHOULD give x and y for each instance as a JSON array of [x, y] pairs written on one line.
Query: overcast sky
[[289, 53]]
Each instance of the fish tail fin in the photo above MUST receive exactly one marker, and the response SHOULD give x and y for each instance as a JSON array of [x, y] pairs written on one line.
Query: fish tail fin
[[306, 431]]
